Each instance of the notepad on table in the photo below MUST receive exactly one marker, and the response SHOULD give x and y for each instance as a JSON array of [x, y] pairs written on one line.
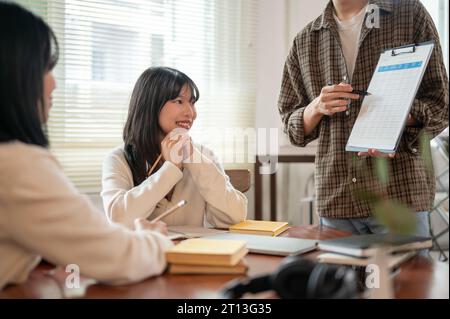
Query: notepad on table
[[259, 227], [365, 245], [181, 269], [199, 251], [394, 260]]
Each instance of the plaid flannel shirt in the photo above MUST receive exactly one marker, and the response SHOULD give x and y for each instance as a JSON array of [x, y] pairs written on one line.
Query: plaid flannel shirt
[[315, 60]]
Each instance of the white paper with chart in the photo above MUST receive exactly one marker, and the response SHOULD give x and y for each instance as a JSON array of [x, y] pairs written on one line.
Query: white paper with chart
[[393, 87]]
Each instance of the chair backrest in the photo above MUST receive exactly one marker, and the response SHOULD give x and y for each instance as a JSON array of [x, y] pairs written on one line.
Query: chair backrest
[[239, 178]]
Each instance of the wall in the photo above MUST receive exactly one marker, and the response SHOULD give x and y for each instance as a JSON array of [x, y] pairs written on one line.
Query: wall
[[278, 23]]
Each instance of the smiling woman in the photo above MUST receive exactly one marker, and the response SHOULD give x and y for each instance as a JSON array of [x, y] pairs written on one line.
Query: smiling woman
[[156, 136], [179, 112], [161, 99]]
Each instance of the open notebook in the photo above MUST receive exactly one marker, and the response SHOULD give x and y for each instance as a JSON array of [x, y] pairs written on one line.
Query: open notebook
[[181, 232]]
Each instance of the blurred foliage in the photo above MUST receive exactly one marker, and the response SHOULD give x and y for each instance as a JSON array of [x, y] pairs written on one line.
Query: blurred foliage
[[382, 170], [397, 217], [425, 150]]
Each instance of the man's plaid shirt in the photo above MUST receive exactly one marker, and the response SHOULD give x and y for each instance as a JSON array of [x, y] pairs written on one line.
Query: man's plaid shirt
[[315, 60]]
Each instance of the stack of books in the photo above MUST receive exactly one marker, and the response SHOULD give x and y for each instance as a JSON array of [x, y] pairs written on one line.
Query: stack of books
[[358, 250], [259, 227], [208, 256]]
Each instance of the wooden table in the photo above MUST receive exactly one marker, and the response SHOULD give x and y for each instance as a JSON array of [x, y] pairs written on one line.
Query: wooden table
[[418, 278]]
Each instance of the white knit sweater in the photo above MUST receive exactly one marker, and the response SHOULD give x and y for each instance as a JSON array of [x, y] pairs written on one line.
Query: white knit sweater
[[203, 185], [43, 215]]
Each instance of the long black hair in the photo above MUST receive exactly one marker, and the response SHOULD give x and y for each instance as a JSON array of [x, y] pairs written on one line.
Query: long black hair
[[28, 49], [142, 132]]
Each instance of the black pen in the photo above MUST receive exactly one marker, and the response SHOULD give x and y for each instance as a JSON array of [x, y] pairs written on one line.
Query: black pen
[[359, 92], [362, 93]]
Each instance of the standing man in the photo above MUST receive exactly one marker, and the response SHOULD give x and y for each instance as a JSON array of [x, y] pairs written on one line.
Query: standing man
[[342, 46]]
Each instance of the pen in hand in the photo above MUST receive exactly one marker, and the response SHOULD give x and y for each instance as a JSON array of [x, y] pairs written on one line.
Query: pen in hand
[[362, 93], [170, 210], [359, 92]]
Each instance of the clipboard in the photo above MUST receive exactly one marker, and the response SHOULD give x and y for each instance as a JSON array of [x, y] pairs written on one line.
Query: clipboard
[[393, 87]]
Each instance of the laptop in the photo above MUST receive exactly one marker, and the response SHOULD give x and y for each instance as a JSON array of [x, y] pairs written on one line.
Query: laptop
[[278, 246]]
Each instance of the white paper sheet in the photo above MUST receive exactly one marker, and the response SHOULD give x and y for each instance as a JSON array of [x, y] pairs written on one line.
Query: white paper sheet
[[394, 86]]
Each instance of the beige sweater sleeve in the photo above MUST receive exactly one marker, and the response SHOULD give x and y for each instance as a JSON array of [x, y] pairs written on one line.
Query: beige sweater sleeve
[[123, 202], [225, 205], [52, 219]]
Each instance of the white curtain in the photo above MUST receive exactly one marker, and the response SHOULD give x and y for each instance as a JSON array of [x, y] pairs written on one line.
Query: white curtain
[[106, 44], [438, 10]]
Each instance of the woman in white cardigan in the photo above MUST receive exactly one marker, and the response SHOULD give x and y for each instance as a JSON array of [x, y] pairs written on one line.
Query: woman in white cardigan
[[158, 166], [42, 215]]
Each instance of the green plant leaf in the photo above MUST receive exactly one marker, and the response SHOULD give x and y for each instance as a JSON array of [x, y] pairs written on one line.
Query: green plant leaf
[[396, 217], [382, 169], [425, 150], [368, 196]]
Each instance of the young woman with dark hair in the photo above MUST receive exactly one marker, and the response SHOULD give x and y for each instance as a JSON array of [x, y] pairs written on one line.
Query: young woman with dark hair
[[41, 213], [161, 112]]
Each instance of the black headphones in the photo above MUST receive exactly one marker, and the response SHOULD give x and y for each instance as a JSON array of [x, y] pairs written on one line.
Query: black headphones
[[299, 278]]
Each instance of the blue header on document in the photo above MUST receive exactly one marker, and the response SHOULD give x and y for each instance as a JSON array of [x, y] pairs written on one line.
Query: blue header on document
[[402, 66]]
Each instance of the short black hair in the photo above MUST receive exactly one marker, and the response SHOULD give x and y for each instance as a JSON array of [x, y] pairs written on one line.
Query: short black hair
[[28, 49]]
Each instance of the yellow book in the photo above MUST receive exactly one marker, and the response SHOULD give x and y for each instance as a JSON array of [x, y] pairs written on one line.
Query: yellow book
[[181, 269], [259, 227], [200, 251]]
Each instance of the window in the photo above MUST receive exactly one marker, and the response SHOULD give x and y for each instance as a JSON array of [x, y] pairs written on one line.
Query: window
[[438, 10], [106, 44]]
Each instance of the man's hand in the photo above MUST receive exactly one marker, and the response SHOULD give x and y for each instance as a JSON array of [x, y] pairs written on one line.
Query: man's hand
[[411, 121], [375, 153], [334, 99]]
